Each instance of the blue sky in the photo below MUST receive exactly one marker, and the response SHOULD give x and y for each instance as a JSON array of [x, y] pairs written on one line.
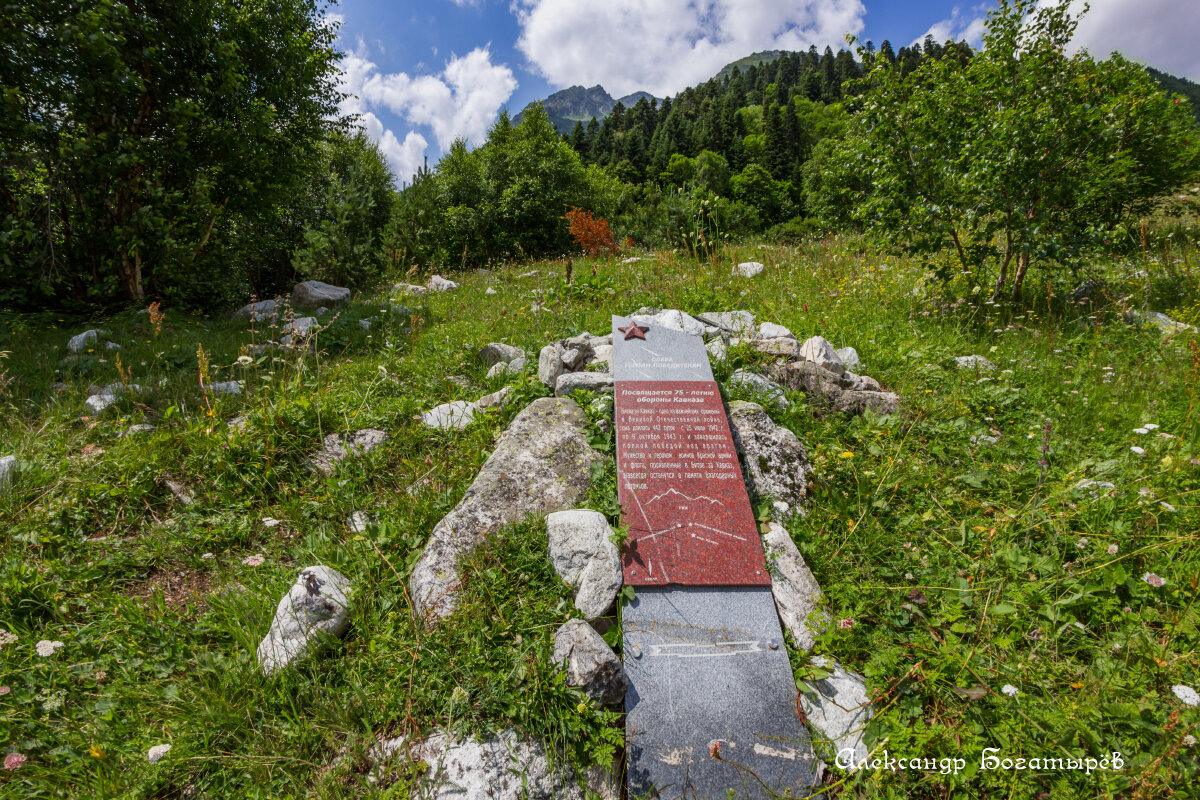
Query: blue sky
[[422, 74]]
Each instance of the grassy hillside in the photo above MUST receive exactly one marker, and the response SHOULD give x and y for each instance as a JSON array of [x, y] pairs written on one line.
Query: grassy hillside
[[953, 539]]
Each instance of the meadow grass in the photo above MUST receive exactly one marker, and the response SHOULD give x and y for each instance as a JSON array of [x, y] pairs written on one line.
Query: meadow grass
[[951, 540]]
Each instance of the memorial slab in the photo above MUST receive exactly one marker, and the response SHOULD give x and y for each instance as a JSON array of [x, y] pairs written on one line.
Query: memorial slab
[[711, 704]]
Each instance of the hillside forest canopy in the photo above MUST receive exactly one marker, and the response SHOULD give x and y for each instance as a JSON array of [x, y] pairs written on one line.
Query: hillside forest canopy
[[192, 153]]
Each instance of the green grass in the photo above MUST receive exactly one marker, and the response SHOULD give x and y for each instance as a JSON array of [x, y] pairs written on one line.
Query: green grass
[[961, 563]]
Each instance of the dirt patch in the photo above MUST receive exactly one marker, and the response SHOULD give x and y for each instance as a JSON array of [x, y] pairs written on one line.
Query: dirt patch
[[179, 586]]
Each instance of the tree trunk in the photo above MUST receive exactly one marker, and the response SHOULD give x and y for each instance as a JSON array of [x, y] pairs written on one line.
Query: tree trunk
[[1019, 278], [1008, 252]]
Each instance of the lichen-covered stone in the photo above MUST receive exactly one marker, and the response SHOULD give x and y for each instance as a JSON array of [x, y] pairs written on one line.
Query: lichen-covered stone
[[315, 606], [776, 464], [797, 593], [542, 463], [590, 663]]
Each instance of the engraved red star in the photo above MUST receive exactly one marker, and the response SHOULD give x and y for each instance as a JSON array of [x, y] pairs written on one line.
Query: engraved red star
[[632, 331]]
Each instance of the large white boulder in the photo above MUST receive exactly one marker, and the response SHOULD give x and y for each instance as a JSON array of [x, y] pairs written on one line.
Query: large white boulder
[[541, 464], [337, 447], [748, 269], [259, 310], [315, 607], [450, 416], [838, 708], [83, 341], [313, 294], [672, 319], [819, 351], [776, 465]]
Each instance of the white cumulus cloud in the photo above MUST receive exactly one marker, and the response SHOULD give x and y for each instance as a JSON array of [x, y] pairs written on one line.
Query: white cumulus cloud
[[461, 101], [957, 28], [1159, 33], [664, 46]]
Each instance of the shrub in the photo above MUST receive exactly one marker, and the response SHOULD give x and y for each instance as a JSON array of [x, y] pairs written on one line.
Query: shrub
[[590, 232]]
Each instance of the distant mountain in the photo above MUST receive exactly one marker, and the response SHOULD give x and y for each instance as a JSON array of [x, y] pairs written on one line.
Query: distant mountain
[[752, 60], [577, 104]]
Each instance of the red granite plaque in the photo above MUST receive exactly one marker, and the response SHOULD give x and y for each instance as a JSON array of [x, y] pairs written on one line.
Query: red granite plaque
[[681, 489]]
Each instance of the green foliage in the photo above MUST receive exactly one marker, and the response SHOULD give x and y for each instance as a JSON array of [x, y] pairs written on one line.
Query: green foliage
[[170, 122], [502, 200], [354, 195], [1022, 151]]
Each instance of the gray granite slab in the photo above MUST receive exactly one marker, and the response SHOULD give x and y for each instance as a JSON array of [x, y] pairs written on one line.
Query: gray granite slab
[[664, 355], [711, 705]]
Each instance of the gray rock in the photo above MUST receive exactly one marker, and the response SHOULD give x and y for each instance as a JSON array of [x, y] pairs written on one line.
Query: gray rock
[[758, 385], [1160, 321], [337, 447], [838, 708], [259, 310], [83, 341], [748, 269], [498, 352], [321, 311], [507, 767], [180, 492], [797, 593], [854, 403], [365, 324], [301, 326], [134, 429], [450, 416], [514, 367], [408, 288], [312, 294], [586, 558], [224, 387], [860, 383], [739, 323], [359, 521], [529, 274], [1087, 292], [439, 284], [315, 607], [717, 351], [672, 319], [550, 364], [779, 346], [111, 346], [590, 663], [489, 290], [973, 362], [769, 330], [101, 399], [646, 310], [1094, 487], [831, 390], [587, 381], [776, 464], [540, 464], [819, 351], [575, 358], [239, 424], [602, 353], [849, 357], [493, 399], [8, 468]]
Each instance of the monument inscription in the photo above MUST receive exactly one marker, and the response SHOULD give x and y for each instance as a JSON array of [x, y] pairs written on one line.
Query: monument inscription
[[711, 703]]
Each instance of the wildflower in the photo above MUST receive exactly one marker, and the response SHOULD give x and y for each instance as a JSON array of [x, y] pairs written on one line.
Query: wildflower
[[1150, 426], [255, 560], [4, 690], [245, 361], [100, 675], [1145, 491], [154, 754], [1141, 431], [1154, 580], [7, 638], [1166, 506], [908, 576], [1127, 610], [46, 648], [1112, 549], [208, 556], [846, 623], [1189, 740], [847, 454], [1139, 450], [1186, 694], [1010, 690], [14, 760], [270, 522], [1082, 543]]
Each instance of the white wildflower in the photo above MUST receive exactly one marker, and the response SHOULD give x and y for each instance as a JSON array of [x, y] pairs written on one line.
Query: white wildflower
[[1141, 431], [245, 361], [7, 638], [46, 648], [1112, 549], [1010, 690], [1154, 580], [1150, 426], [1186, 694], [1141, 451]]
